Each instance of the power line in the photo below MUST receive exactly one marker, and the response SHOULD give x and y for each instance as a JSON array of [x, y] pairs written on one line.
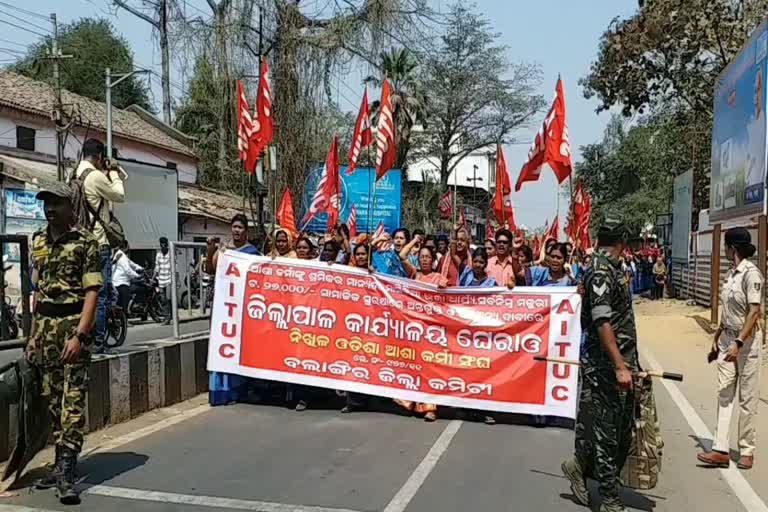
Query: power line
[[25, 21], [24, 11], [24, 29], [8, 41]]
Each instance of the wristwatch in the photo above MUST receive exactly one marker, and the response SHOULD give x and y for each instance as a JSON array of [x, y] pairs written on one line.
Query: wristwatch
[[738, 342], [80, 336]]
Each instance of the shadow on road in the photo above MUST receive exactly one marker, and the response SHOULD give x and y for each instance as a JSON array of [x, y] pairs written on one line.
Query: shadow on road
[[102, 467], [703, 323]]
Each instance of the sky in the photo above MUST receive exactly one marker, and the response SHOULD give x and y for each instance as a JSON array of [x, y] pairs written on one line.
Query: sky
[[562, 36]]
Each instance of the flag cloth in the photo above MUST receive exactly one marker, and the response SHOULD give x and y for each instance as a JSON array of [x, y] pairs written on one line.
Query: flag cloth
[[363, 134], [263, 122], [285, 216], [380, 233], [553, 232], [386, 152], [352, 222], [462, 218], [502, 200], [445, 205], [327, 188], [536, 246], [551, 145], [244, 122], [490, 234], [581, 212]]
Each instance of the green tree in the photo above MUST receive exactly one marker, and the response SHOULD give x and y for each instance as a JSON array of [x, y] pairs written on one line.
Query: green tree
[[401, 68], [94, 46], [477, 96]]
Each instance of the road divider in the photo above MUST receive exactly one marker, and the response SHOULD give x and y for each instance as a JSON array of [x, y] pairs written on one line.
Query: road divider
[[142, 377]]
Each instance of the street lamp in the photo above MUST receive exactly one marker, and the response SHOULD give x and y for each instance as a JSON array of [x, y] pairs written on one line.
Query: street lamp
[[474, 179], [110, 84]]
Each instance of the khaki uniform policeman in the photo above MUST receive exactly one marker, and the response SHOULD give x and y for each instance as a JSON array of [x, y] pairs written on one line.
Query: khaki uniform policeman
[[736, 348], [67, 279], [609, 358]]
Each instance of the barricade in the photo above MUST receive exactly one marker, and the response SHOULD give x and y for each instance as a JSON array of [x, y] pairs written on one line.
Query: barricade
[[184, 274]]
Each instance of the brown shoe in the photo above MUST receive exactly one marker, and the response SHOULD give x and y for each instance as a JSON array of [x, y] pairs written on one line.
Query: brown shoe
[[746, 462], [714, 459]]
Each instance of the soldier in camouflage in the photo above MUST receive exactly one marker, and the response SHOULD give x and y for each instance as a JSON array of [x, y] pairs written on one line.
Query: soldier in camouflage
[[67, 279], [609, 358]]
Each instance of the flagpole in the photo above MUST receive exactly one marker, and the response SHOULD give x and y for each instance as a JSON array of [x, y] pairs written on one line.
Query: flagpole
[[455, 193]]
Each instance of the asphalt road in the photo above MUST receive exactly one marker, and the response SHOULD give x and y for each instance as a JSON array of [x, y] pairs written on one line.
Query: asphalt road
[[136, 334]]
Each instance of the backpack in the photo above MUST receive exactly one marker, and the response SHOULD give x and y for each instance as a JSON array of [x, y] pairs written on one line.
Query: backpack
[[86, 217]]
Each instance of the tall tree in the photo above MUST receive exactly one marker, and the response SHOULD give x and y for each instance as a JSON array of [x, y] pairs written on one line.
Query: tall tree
[[477, 96], [401, 68], [94, 46]]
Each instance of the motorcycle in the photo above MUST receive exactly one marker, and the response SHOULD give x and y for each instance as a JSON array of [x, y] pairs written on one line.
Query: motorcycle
[[8, 312], [194, 287], [146, 300]]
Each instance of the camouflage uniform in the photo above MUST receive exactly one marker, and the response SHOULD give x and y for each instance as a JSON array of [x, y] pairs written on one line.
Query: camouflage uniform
[[604, 422], [64, 269]]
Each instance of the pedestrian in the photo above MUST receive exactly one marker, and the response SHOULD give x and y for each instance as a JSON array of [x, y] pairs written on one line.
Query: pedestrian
[[282, 244], [490, 247], [123, 272], [102, 186], [67, 278], [606, 404], [737, 350], [386, 253], [238, 242], [554, 273], [505, 266], [304, 248], [163, 276], [659, 277], [330, 252]]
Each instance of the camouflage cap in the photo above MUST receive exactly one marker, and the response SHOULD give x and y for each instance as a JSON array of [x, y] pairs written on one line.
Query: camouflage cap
[[612, 230], [55, 188]]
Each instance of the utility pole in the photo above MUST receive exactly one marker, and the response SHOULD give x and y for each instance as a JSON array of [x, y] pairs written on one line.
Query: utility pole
[[109, 85], [474, 179], [57, 114], [161, 25]]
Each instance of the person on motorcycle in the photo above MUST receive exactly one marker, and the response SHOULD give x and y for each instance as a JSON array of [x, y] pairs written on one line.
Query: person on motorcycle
[[123, 272]]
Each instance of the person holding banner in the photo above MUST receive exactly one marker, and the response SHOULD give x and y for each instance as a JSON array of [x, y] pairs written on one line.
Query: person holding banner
[[609, 359], [239, 242], [385, 256], [304, 248], [490, 247], [554, 273], [360, 257], [505, 266]]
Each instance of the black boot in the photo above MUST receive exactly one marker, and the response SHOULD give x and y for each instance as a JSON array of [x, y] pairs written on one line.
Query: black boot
[[65, 483], [49, 481]]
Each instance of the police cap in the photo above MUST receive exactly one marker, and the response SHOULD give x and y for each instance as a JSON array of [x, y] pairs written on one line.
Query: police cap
[[55, 188]]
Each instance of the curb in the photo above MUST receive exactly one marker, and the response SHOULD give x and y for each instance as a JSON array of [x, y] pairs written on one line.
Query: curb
[[145, 377]]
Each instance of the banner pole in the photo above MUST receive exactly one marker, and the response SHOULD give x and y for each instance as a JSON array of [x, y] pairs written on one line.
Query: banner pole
[[368, 217], [455, 195]]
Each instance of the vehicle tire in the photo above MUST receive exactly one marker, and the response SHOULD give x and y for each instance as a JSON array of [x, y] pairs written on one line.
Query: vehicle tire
[[183, 300], [117, 328], [155, 310]]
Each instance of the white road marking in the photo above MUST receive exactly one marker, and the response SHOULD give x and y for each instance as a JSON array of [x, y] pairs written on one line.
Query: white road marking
[[422, 471], [18, 508], [203, 501], [738, 484], [151, 429]]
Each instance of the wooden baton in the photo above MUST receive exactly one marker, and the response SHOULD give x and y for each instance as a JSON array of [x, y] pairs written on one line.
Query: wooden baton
[[645, 373]]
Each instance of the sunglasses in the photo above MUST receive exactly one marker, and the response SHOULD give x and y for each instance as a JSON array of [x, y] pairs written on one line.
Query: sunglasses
[[503, 242]]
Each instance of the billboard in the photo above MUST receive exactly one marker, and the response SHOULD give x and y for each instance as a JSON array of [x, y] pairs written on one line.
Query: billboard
[[682, 209], [358, 189], [23, 216], [739, 133]]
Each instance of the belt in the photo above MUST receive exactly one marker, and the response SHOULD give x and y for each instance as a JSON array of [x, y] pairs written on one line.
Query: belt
[[52, 310]]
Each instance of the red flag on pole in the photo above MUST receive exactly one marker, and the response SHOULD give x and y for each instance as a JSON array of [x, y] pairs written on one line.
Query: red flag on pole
[[462, 218], [285, 215], [326, 198], [380, 233], [445, 205], [502, 200], [363, 135], [536, 246], [263, 121], [352, 222], [244, 122], [386, 152], [551, 145], [553, 232], [490, 234]]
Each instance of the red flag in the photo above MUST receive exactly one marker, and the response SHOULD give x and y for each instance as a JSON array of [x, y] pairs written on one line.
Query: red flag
[[462, 218], [352, 222], [380, 233], [445, 205], [386, 152], [490, 234], [502, 200], [285, 216], [263, 122], [326, 198], [551, 145], [244, 122], [363, 135], [554, 230], [536, 246]]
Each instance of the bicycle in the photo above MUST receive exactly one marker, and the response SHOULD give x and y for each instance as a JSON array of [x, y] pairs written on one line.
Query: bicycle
[[117, 327]]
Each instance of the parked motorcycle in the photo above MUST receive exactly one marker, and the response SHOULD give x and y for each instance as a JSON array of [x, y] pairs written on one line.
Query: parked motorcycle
[[146, 299], [194, 287], [8, 312]]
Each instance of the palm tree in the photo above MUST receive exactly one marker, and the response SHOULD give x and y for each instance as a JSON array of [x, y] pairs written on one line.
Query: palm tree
[[401, 68]]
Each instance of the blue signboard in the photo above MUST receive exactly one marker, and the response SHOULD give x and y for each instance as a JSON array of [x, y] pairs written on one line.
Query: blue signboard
[[358, 189], [23, 216], [739, 133]]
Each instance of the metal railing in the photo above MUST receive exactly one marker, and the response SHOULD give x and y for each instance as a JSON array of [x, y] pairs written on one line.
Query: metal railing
[[26, 317], [200, 248]]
